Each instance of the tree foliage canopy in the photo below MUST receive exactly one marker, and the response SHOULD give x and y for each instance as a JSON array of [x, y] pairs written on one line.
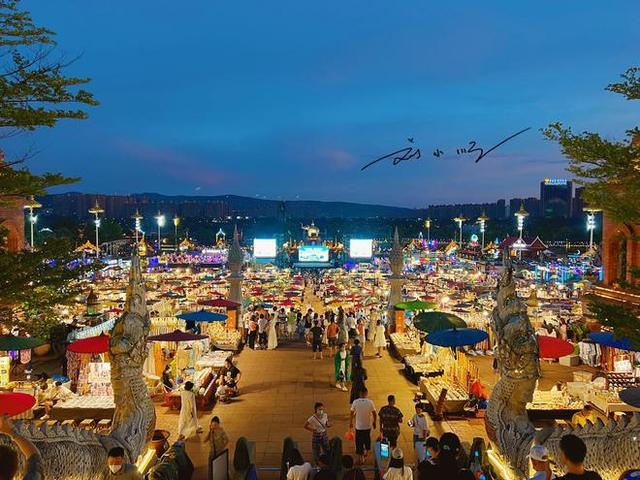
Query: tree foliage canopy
[[608, 169]]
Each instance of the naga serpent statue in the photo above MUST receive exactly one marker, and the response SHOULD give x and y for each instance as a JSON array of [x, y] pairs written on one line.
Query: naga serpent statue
[[612, 448], [73, 453]]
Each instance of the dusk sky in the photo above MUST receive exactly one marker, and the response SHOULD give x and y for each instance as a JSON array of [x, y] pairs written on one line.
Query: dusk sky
[[289, 99]]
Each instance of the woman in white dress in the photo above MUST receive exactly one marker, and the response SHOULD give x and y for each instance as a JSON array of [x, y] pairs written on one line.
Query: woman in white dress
[[188, 422], [272, 341], [379, 339]]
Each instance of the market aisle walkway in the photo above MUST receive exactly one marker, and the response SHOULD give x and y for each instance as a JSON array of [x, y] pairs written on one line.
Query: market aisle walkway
[[278, 391]]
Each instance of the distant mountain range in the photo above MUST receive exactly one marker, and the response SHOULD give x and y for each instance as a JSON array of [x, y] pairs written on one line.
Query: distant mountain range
[[191, 206]]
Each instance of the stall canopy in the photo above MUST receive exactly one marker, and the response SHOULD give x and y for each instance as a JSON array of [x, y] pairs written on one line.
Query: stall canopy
[[12, 342], [433, 321], [608, 339], [219, 302], [457, 337], [99, 344], [552, 347], [176, 336], [415, 305], [12, 403], [202, 316]]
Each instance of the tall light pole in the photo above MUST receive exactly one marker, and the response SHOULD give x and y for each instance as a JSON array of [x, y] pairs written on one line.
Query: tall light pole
[[482, 220], [160, 219], [427, 223], [591, 224], [176, 222], [31, 206], [521, 215], [460, 220], [138, 227], [96, 210]]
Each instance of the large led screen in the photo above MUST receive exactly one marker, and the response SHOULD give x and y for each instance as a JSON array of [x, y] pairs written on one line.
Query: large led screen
[[359, 248], [264, 248], [313, 253]]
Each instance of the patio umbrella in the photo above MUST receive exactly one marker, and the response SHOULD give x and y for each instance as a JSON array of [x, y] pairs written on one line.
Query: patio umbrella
[[264, 305], [457, 337], [176, 336], [415, 305], [286, 303], [219, 302], [98, 344], [202, 316], [433, 321], [609, 340], [12, 403], [12, 342], [631, 396], [552, 347]]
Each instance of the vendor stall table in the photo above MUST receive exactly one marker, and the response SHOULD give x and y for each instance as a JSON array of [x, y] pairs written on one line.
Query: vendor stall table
[[79, 408], [454, 401]]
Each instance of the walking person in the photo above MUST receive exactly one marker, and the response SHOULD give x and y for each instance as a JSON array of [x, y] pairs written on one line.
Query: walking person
[[363, 417], [188, 422], [317, 424], [358, 377], [316, 340], [420, 427], [262, 331], [253, 332], [332, 335], [390, 421], [342, 367], [272, 334], [360, 334], [379, 339], [218, 441]]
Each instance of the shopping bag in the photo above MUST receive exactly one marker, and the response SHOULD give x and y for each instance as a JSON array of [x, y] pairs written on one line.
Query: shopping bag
[[349, 435]]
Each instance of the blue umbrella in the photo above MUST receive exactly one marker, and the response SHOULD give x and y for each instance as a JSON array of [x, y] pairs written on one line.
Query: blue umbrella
[[60, 378], [264, 305], [631, 396], [457, 337], [202, 316], [609, 340]]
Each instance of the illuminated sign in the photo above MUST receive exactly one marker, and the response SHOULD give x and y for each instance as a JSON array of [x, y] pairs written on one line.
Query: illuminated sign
[[555, 181], [313, 253]]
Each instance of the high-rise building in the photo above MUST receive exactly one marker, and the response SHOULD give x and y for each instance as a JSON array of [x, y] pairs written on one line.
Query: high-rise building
[[556, 198], [578, 203]]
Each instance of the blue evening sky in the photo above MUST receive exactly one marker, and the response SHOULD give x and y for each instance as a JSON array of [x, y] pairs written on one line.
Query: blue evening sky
[[288, 99]]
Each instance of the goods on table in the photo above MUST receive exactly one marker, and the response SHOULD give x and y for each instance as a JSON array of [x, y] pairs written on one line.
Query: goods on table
[[405, 343], [553, 400], [214, 360], [455, 399]]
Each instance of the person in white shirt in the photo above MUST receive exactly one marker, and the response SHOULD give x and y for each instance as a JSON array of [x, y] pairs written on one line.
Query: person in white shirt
[[262, 331], [317, 424], [397, 469], [420, 432], [298, 468], [58, 393], [363, 411], [539, 456]]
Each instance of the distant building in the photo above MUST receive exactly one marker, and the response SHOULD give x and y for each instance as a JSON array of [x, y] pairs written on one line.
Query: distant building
[[556, 198], [531, 205], [578, 203], [471, 211]]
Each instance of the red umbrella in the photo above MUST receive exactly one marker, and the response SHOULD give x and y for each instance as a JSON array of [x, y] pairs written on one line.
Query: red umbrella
[[286, 303], [551, 347], [219, 302], [99, 344], [15, 403], [176, 336]]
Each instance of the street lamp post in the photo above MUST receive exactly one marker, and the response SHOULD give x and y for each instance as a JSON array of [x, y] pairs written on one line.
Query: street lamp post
[[591, 224], [160, 219], [31, 206], [96, 210], [482, 220], [460, 220], [521, 215], [427, 223], [138, 226], [176, 222]]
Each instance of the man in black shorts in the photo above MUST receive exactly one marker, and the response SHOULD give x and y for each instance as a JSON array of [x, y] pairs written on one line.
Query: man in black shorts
[[316, 339]]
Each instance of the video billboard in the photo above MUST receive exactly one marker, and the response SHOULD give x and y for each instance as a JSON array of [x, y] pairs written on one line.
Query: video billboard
[[313, 253], [360, 248], [264, 248]]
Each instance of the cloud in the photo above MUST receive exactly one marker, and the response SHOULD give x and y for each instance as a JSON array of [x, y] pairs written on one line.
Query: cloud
[[175, 164]]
